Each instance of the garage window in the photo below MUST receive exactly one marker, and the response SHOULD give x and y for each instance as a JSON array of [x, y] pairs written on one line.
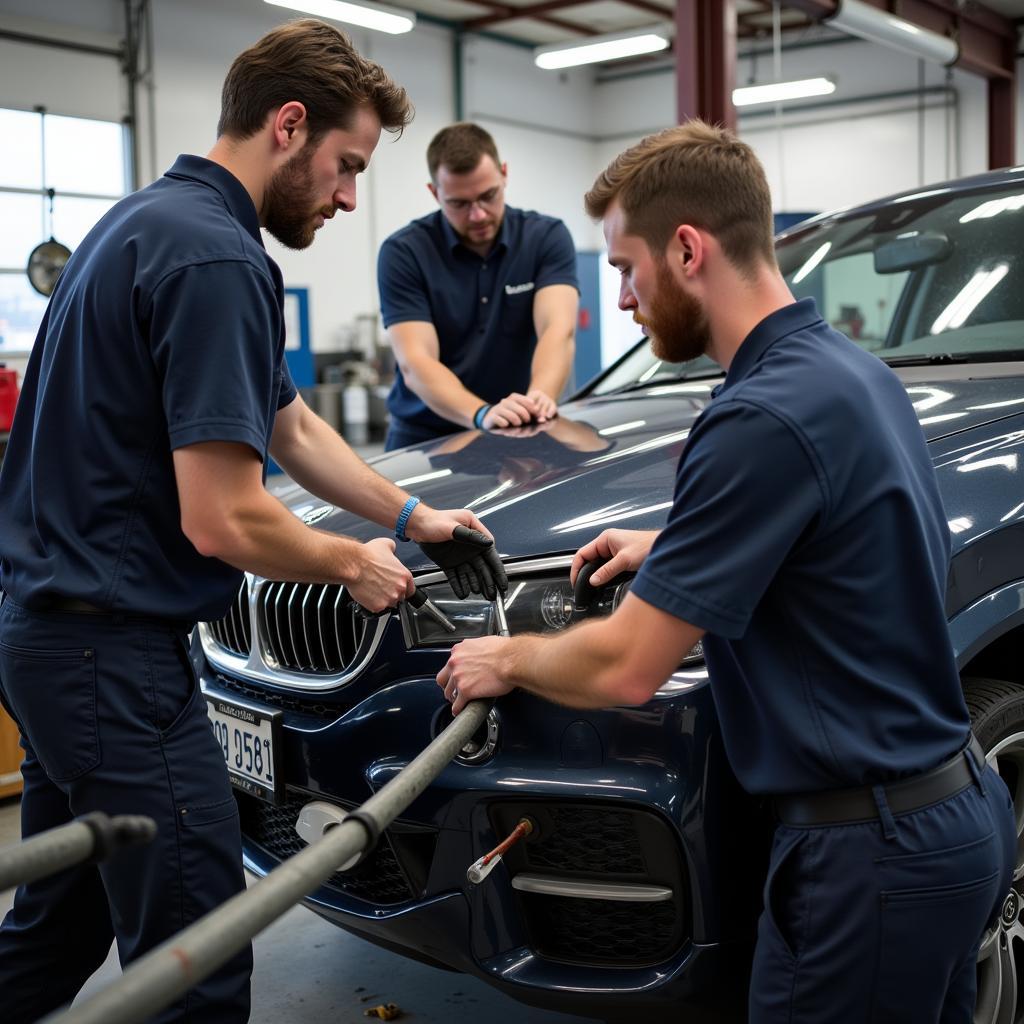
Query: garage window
[[85, 164]]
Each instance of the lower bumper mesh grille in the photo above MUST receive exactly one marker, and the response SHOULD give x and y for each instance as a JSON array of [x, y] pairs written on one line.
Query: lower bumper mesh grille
[[596, 842], [379, 879]]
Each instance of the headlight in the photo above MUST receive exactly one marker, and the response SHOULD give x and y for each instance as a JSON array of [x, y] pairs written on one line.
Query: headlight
[[535, 604]]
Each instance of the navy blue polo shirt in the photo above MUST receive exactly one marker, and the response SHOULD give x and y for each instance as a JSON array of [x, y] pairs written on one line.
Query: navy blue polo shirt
[[165, 330], [807, 536], [481, 307]]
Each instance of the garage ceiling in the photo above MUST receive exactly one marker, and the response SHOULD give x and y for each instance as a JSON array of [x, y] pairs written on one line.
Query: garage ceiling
[[538, 22]]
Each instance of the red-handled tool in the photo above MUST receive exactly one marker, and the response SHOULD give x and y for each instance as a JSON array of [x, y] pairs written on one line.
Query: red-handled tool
[[480, 869]]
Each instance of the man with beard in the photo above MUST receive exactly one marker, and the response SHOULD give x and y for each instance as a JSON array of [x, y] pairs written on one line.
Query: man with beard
[[132, 496], [808, 548], [479, 300]]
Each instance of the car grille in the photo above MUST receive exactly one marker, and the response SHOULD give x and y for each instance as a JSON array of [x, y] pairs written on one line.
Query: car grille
[[605, 843], [601, 932], [302, 627], [380, 879], [234, 631]]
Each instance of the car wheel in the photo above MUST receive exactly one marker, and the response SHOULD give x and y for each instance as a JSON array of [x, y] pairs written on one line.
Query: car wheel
[[997, 715]]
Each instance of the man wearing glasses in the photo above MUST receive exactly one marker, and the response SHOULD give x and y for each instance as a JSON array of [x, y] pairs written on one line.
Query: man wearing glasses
[[479, 301]]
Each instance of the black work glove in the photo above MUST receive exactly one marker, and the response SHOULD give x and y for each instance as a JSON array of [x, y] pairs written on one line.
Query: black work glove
[[470, 562]]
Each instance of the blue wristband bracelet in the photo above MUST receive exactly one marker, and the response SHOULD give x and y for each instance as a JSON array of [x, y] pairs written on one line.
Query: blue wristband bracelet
[[478, 417], [403, 518]]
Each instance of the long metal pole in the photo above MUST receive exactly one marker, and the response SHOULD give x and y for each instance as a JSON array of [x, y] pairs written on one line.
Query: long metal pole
[[95, 836], [170, 970]]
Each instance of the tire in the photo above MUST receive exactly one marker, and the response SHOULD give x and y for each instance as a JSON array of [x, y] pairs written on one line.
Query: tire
[[997, 716]]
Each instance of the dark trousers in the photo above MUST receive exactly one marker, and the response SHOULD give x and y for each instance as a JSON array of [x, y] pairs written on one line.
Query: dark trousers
[[880, 923], [112, 720]]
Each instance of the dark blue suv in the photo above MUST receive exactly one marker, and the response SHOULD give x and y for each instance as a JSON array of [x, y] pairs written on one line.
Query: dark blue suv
[[640, 887]]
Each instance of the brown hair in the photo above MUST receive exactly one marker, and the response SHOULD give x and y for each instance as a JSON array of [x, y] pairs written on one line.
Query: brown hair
[[460, 147], [315, 64], [695, 174]]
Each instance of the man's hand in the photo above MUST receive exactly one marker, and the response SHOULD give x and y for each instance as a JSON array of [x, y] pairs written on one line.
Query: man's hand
[[512, 411], [625, 551], [474, 670], [470, 562], [546, 407], [432, 524], [383, 581]]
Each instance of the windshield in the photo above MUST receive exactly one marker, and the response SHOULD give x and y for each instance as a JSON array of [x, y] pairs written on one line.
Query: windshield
[[928, 275]]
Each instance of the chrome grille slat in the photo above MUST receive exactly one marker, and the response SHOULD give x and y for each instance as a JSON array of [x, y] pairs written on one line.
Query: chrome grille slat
[[337, 632], [232, 629], [242, 604], [289, 614], [321, 632], [305, 629], [283, 658]]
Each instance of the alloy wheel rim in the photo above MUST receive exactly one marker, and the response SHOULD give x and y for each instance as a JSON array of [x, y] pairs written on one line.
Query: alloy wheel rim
[[1002, 949]]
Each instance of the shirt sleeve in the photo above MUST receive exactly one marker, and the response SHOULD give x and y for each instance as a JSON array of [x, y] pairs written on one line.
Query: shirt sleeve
[[287, 391], [747, 491], [403, 292], [215, 335], [557, 262]]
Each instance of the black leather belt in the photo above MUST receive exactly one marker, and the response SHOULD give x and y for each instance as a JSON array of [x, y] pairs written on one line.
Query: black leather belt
[[72, 604], [847, 806]]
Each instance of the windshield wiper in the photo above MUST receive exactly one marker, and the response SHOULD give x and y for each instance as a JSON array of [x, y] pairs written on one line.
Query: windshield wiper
[[936, 359], [642, 385]]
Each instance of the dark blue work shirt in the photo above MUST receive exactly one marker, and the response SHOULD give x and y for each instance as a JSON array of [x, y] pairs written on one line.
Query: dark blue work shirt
[[481, 307], [165, 330], [807, 536]]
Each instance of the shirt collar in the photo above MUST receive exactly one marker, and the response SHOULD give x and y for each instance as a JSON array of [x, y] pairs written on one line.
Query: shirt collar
[[221, 180], [453, 241], [795, 317]]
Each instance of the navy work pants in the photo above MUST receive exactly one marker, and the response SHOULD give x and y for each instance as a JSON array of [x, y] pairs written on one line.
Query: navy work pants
[[112, 720], [881, 922]]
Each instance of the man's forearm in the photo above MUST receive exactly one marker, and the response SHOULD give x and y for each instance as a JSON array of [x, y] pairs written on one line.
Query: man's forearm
[[319, 460], [442, 392], [579, 668], [552, 362], [263, 537]]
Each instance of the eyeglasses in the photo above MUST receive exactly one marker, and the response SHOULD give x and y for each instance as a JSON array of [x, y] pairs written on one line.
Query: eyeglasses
[[487, 201]]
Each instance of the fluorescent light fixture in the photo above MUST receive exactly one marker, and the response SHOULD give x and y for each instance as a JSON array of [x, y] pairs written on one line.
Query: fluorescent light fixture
[[778, 92], [594, 49], [969, 298], [365, 14], [878, 26]]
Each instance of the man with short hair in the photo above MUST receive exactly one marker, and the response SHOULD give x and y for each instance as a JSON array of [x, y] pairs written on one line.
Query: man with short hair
[[479, 300], [806, 521], [132, 497]]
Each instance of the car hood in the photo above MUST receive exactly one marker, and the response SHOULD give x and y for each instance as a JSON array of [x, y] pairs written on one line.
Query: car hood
[[604, 462]]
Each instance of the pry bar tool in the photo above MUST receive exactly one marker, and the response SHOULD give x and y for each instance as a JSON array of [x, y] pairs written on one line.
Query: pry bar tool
[[480, 869], [420, 601]]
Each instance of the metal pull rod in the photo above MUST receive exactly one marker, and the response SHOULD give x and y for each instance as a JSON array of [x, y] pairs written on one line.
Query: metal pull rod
[[167, 972]]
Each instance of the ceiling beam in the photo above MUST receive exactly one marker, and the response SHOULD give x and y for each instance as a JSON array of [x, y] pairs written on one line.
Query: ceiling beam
[[505, 12]]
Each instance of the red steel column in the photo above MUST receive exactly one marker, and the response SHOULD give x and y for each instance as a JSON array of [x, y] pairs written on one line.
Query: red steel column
[[705, 49]]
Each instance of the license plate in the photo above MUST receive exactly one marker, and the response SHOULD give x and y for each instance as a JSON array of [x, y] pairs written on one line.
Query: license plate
[[249, 739]]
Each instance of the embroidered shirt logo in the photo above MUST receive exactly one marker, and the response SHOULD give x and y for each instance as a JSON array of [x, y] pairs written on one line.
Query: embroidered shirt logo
[[518, 289]]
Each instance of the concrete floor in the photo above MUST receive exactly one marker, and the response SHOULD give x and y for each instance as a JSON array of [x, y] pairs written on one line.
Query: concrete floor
[[309, 971]]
